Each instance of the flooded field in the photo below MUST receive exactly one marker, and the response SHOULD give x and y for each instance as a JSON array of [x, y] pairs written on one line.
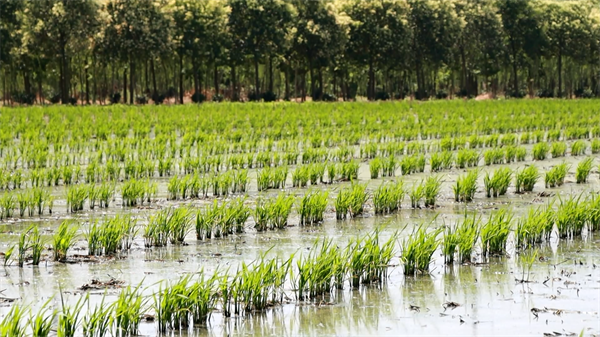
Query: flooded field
[[546, 285]]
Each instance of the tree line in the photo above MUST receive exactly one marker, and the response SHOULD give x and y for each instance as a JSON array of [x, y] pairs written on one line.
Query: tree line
[[134, 51]]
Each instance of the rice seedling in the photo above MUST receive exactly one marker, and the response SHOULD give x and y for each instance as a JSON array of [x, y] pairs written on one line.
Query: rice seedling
[[441, 161], [595, 146], [418, 249], [348, 171], [431, 190], [41, 323], [467, 158], [535, 227], [449, 244], [375, 167], [526, 260], [22, 247], [36, 243], [184, 303], [558, 149], [168, 225], [351, 201], [388, 197], [526, 179], [466, 186], [521, 153], [571, 217], [301, 176], [63, 240], [493, 156], [494, 233], [583, 170], [320, 271], [7, 205], [540, 151], [69, 318], [206, 219], [556, 175], [467, 234], [416, 194], [578, 148], [311, 207], [498, 183], [76, 197], [412, 164], [368, 261], [98, 322], [13, 322], [593, 212], [128, 310]]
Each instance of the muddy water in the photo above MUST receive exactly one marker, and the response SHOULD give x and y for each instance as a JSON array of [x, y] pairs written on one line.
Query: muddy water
[[563, 288]]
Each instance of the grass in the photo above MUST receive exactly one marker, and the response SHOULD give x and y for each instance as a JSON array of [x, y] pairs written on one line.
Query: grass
[[171, 224], [494, 233], [595, 146], [583, 170], [63, 240], [129, 308], [76, 197], [41, 323], [556, 175], [273, 213], [375, 167], [13, 322], [535, 227], [466, 186], [311, 207], [467, 158], [571, 216], [69, 318], [416, 194], [526, 179], [99, 321], [388, 197], [418, 249], [467, 234], [441, 161]]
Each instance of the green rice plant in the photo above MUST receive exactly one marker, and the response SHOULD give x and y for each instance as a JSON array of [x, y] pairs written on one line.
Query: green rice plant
[[184, 303], [129, 308], [351, 201], [23, 200], [540, 151], [595, 146], [412, 164], [578, 148], [450, 242], [7, 205], [106, 193], [553, 135], [467, 234], [558, 149], [93, 237], [368, 261], [466, 186], [69, 318], [526, 179], [375, 167], [467, 158], [493, 156], [261, 215], [22, 247], [521, 153], [331, 172], [388, 197], [320, 271], [63, 240], [593, 212], [431, 190], [41, 323], [311, 207], [418, 249], [280, 175], [389, 167], [13, 323], [348, 171], [571, 216], [174, 187], [556, 175], [526, 260], [510, 153], [98, 322], [525, 138], [494, 233], [300, 176], [36, 243], [76, 197], [441, 161], [583, 170], [535, 227], [206, 219], [498, 183], [416, 194]]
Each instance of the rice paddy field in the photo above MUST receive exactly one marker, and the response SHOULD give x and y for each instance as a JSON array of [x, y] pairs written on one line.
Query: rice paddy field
[[448, 217]]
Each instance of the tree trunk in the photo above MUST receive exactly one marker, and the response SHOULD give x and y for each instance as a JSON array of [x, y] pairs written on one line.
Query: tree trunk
[[287, 81], [153, 72], [559, 94], [320, 91], [87, 84], [216, 78], [131, 81], [234, 90], [124, 85], [181, 78], [271, 73], [312, 80], [256, 79], [515, 77], [371, 85]]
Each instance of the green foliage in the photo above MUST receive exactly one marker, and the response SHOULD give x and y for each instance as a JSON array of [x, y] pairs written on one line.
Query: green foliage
[[526, 179], [63, 240], [418, 249], [556, 175], [583, 170]]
